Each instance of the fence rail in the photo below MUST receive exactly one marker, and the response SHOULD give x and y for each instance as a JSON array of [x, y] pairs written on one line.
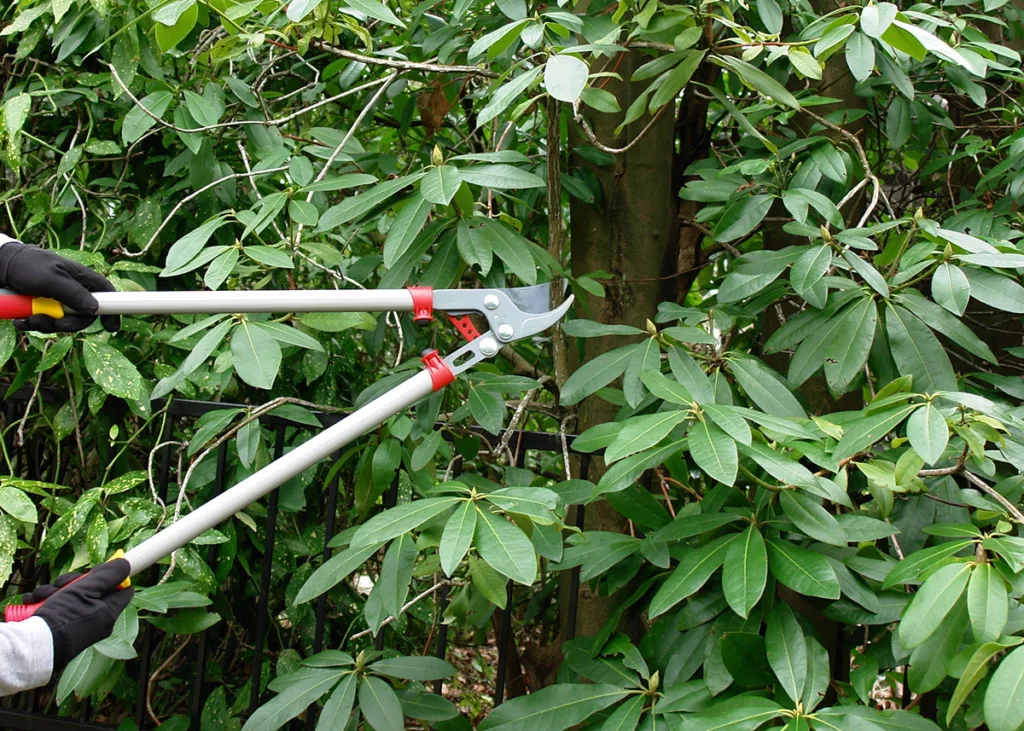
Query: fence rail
[[24, 712]]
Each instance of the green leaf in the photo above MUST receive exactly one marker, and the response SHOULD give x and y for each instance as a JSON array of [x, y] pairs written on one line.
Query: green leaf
[[474, 244], [299, 9], [876, 19], [951, 288], [928, 433], [745, 572], [860, 56], [336, 322], [627, 716], [426, 706], [380, 705], [185, 249], [338, 709], [559, 706], [256, 355], [414, 668], [933, 601], [109, 368], [731, 423], [996, 290], [506, 94], [976, 669], [765, 388], [8, 340], [864, 432], [736, 714], [643, 432], [810, 517], [916, 564], [169, 36], [295, 699], [400, 519], [196, 357], [918, 352], [270, 256], [505, 548], [496, 42], [488, 582], [691, 376], [867, 272], [457, 537], [848, 352], [380, 11], [591, 329], [676, 79], [691, 574], [714, 451], [512, 249], [787, 650], [987, 602], [333, 572], [687, 526], [898, 122], [742, 217], [441, 184], [759, 80], [488, 409], [803, 571], [595, 374], [810, 267], [1004, 698], [395, 576], [359, 205], [930, 661], [564, 77], [771, 15], [406, 227], [501, 177]]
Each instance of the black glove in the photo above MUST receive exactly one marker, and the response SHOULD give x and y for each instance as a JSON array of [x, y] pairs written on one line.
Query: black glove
[[40, 273], [82, 613]]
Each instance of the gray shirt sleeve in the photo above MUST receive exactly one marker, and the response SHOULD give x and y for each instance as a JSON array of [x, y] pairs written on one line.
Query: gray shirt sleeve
[[26, 655]]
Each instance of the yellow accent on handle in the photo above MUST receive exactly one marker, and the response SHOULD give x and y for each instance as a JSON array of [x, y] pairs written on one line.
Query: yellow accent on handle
[[127, 582], [47, 306]]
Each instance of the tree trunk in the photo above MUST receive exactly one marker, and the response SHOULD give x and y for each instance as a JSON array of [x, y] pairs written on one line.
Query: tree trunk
[[633, 234]]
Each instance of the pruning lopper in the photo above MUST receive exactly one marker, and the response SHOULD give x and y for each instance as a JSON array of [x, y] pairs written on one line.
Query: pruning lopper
[[512, 314]]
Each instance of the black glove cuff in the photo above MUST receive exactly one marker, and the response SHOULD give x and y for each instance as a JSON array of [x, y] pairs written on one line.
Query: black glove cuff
[[8, 252], [61, 645]]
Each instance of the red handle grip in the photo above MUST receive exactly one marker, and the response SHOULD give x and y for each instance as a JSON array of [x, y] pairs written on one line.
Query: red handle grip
[[21, 612], [15, 306]]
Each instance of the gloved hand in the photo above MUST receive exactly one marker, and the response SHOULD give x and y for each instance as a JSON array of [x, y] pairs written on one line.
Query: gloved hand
[[82, 613], [37, 272]]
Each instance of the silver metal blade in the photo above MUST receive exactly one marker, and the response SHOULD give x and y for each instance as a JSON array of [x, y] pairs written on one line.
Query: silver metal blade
[[540, 323]]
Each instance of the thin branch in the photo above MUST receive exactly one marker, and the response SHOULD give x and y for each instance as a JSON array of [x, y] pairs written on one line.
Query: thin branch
[[405, 607], [589, 134], [397, 63], [192, 196], [276, 122], [992, 492], [865, 165]]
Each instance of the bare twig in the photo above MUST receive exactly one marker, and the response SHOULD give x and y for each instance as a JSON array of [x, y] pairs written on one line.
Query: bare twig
[[405, 607], [20, 437], [865, 165], [993, 493], [192, 196], [398, 63], [276, 122], [156, 674], [589, 134]]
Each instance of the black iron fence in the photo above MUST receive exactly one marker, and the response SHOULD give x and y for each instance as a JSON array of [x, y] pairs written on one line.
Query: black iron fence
[[26, 712]]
